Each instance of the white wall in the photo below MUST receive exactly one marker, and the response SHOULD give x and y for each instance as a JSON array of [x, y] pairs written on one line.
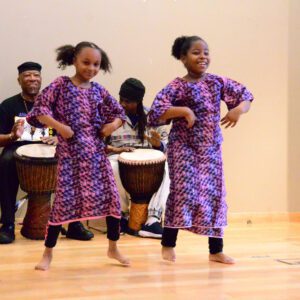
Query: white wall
[[248, 41]]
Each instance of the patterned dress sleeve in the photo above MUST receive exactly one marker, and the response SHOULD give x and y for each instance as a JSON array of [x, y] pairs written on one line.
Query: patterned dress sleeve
[[44, 104], [162, 102], [234, 93], [110, 109]]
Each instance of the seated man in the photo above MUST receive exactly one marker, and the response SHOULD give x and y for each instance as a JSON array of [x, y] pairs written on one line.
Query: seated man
[[15, 132], [135, 134]]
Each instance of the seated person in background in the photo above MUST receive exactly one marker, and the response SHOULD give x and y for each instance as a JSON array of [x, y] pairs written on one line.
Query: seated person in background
[[16, 132], [135, 134]]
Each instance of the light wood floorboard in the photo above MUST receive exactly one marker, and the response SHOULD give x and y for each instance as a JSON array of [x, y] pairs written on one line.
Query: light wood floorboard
[[81, 270]]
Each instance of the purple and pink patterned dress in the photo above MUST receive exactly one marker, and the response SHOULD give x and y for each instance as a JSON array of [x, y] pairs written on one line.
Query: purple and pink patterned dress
[[197, 192], [85, 183]]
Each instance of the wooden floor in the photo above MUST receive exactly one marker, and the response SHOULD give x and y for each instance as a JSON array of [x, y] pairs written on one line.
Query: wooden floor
[[81, 270]]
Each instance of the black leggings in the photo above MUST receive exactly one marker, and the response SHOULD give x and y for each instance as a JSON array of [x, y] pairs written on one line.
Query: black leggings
[[113, 232], [169, 238]]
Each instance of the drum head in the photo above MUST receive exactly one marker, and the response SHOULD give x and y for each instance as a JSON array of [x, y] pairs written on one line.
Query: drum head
[[36, 151], [142, 156]]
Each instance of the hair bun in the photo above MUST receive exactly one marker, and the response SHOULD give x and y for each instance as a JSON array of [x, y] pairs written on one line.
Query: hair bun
[[177, 45]]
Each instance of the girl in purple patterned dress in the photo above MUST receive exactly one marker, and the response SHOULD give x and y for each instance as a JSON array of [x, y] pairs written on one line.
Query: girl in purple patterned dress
[[82, 112], [197, 194]]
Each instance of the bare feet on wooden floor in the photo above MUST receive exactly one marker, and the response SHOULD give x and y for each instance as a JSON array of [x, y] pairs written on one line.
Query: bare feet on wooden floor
[[114, 253], [168, 253], [221, 258], [45, 262]]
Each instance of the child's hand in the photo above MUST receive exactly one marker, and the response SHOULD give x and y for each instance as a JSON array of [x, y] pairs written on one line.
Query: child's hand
[[190, 117], [107, 129], [231, 117], [154, 138], [66, 131]]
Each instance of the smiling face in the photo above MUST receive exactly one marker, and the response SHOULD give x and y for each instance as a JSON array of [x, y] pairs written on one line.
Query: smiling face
[[197, 59], [30, 82], [87, 63]]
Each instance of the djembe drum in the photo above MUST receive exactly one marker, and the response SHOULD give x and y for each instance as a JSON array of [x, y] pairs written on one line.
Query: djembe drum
[[37, 170], [141, 173]]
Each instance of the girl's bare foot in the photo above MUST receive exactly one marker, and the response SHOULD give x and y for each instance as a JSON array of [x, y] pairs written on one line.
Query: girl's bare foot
[[114, 253], [45, 262], [168, 253], [221, 258]]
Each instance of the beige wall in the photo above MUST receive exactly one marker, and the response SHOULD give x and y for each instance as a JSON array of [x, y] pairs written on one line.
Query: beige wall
[[248, 41], [294, 108]]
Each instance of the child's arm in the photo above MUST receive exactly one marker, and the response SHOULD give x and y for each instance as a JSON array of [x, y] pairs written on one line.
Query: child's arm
[[237, 98], [179, 112], [233, 115], [109, 128], [64, 130]]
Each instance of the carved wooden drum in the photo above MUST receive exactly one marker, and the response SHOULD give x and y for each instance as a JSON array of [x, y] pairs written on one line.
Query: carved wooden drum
[[141, 173], [37, 171]]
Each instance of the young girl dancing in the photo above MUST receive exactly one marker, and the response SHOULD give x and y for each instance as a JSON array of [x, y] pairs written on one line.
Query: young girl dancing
[[197, 194], [82, 112]]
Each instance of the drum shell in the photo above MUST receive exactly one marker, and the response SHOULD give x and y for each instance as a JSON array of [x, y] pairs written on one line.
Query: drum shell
[[36, 175], [141, 181]]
